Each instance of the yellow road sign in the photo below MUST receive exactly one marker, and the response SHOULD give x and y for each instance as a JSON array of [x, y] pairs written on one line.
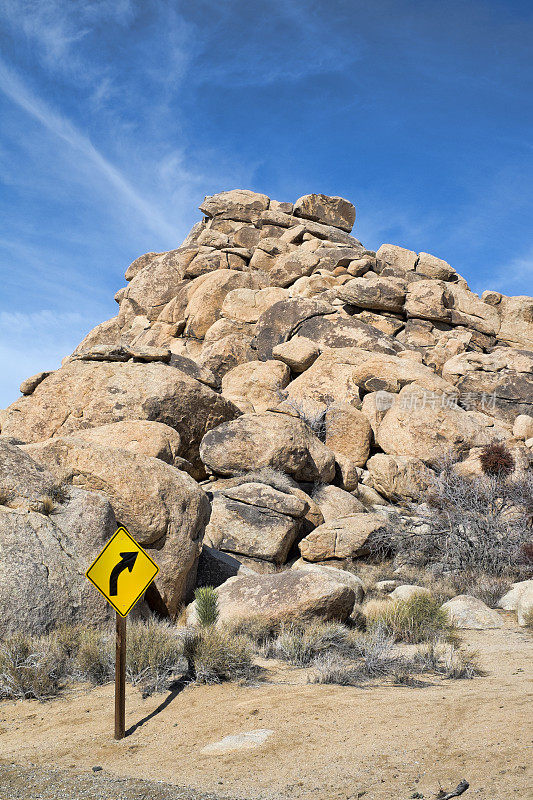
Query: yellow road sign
[[122, 571]]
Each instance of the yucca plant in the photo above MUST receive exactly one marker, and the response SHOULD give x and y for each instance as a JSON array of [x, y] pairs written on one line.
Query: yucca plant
[[206, 606]]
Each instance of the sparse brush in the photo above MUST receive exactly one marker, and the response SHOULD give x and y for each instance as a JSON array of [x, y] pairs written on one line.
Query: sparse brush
[[29, 668], [59, 492], [45, 505], [154, 653], [271, 477], [206, 599], [258, 629], [447, 660], [376, 659], [214, 656], [94, 660], [488, 588], [415, 620]]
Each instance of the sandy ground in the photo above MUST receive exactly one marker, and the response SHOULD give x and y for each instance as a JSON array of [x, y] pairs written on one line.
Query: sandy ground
[[329, 742]]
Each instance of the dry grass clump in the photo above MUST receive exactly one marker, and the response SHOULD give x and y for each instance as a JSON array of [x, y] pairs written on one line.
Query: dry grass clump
[[154, 654], [300, 644], [418, 619], [215, 655], [6, 496], [93, 658], [447, 660], [258, 629], [29, 668], [271, 477]]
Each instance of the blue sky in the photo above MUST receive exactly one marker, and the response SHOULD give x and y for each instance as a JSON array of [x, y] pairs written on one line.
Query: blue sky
[[118, 116]]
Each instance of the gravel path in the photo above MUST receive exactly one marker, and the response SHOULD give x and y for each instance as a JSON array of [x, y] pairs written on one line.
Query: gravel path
[[33, 783]]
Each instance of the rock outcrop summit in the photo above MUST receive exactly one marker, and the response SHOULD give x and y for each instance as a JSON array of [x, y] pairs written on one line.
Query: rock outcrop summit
[[266, 394]]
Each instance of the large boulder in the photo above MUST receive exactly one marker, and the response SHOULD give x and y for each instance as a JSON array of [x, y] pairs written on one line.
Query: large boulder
[[499, 383], [449, 302], [255, 520], [397, 256], [85, 395], [511, 599], [45, 549], [284, 596], [282, 320], [334, 502], [427, 425], [267, 440], [162, 507], [334, 211], [247, 305], [516, 320], [466, 611], [205, 305], [345, 538], [399, 477], [379, 294], [256, 385], [341, 575], [237, 204], [137, 436]]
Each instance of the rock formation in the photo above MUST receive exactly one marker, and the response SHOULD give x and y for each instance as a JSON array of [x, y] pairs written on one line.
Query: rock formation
[[270, 387]]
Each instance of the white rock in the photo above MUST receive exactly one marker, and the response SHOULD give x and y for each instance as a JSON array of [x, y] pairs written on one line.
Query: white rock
[[470, 612], [238, 741], [407, 590]]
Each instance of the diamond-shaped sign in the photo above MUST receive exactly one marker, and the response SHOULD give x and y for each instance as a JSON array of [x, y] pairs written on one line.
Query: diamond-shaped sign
[[122, 571]]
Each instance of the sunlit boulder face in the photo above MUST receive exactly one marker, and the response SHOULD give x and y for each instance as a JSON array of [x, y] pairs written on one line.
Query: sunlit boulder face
[[273, 386]]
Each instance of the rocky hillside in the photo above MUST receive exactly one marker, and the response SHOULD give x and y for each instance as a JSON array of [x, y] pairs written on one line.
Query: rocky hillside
[[266, 395]]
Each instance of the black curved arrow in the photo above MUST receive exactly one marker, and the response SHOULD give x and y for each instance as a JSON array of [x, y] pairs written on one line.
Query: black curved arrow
[[127, 562]]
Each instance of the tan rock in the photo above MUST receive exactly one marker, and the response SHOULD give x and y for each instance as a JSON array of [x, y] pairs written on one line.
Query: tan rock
[[427, 425], [321, 208], [205, 305], [516, 321], [247, 305], [470, 612], [286, 269], [397, 256], [405, 591], [524, 609], [237, 204], [139, 264], [523, 427], [256, 385], [298, 353], [88, 394], [343, 538], [379, 294], [334, 502], [399, 477], [137, 436], [268, 440], [435, 268], [511, 599], [161, 506], [226, 344], [334, 573], [348, 432], [287, 596], [30, 384], [451, 303], [256, 521]]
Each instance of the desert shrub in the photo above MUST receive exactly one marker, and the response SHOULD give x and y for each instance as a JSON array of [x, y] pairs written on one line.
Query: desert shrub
[[480, 524], [59, 492], [415, 620], [496, 460], [214, 655], [376, 656], [44, 505], [206, 599], [259, 630], [29, 668], [488, 588], [312, 412], [446, 660], [94, 659], [299, 644], [154, 653], [271, 477]]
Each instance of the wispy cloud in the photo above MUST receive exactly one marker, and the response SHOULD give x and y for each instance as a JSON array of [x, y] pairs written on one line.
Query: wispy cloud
[[12, 86]]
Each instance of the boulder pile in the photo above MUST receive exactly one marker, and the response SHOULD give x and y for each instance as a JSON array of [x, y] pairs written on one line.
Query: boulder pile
[[270, 388]]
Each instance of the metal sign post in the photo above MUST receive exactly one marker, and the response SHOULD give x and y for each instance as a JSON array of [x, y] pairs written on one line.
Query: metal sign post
[[122, 572]]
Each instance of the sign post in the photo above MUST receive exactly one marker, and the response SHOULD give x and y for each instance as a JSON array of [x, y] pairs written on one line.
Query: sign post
[[122, 572]]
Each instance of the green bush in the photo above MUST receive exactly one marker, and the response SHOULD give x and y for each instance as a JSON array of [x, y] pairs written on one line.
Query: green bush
[[418, 619], [206, 606]]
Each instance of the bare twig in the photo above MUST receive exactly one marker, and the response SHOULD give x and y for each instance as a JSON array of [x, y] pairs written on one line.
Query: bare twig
[[460, 789]]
